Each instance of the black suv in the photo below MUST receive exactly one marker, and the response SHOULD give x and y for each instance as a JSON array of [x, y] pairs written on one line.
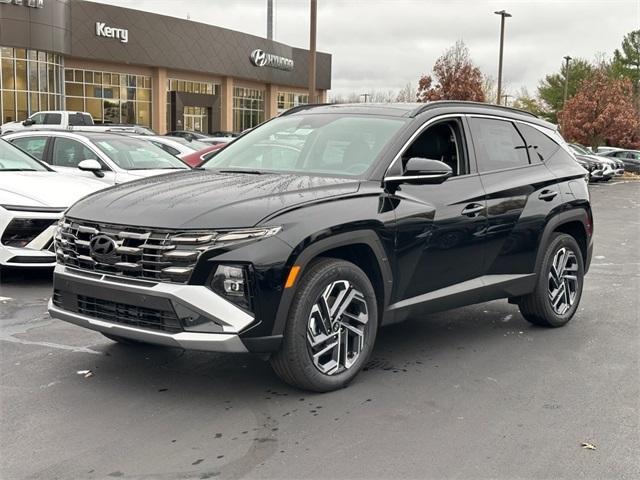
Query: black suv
[[307, 234]]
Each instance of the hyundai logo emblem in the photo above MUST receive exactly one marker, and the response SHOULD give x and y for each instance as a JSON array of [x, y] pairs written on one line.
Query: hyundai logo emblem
[[259, 58], [102, 247]]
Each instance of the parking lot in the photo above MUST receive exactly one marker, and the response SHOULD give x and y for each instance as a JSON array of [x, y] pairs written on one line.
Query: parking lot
[[472, 393]]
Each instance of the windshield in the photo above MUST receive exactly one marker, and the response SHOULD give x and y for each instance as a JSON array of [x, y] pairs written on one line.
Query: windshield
[[12, 159], [331, 144], [136, 154]]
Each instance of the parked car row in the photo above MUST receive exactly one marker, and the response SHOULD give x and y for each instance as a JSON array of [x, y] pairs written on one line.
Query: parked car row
[[600, 168]]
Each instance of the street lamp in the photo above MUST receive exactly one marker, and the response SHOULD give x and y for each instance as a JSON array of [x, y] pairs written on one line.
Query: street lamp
[[313, 17], [503, 14], [567, 59]]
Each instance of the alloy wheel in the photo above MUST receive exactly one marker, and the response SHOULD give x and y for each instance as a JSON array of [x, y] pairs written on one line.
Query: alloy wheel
[[563, 281], [336, 327]]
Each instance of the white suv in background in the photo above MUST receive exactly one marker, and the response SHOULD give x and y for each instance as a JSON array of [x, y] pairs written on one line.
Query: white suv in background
[[111, 157]]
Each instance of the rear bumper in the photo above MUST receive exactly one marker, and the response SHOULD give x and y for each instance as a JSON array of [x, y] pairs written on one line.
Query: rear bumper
[[176, 315]]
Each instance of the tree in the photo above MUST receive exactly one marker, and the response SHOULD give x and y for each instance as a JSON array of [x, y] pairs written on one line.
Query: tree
[[601, 112], [456, 78], [524, 101], [406, 94], [626, 63], [551, 89]]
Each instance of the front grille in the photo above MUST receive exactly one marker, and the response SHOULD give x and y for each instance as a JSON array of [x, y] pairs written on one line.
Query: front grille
[[153, 254], [121, 313]]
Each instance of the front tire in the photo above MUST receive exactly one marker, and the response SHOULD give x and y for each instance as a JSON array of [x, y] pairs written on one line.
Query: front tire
[[331, 327], [559, 285]]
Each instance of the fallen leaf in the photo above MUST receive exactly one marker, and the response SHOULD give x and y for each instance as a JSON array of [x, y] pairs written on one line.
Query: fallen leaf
[[588, 446]]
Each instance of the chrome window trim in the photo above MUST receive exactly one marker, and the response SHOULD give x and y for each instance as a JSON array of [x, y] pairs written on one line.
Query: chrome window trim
[[416, 134]]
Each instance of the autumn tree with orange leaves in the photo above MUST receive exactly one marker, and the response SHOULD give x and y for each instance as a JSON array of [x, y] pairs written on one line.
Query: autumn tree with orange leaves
[[601, 113], [456, 78]]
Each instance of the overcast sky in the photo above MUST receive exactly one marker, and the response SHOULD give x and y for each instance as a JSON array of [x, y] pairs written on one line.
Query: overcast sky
[[383, 44]]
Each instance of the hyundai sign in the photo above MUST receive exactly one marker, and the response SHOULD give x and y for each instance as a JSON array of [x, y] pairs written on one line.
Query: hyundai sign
[[260, 58]]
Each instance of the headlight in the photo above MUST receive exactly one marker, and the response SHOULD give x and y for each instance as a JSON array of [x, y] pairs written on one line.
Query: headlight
[[232, 283]]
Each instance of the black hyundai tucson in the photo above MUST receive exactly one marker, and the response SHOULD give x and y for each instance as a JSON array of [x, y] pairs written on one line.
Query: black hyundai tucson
[[306, 235]]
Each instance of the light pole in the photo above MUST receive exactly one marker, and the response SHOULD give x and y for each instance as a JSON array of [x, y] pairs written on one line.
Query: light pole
[[366, 96], [567, 59], [503, 14], [506, 98], [270, 19], [312, 51]]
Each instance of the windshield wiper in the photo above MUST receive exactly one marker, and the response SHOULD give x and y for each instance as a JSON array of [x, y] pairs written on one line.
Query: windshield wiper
[[250, 172], [18, 170]]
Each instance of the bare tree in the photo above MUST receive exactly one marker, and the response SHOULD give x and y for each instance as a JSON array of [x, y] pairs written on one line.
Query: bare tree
[[407, 93]]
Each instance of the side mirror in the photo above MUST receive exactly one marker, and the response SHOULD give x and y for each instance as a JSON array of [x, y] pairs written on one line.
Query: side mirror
[[93, 166], [422, 171], [28, 122]]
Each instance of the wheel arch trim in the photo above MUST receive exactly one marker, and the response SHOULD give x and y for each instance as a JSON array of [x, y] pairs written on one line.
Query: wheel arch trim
[[367, 237]]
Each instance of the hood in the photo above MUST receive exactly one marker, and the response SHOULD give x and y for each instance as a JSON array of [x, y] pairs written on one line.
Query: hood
[[203, 199], [44, 189], [129, 175]]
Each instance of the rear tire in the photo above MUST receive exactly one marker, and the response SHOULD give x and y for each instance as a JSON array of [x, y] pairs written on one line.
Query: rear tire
[[558, 286], [331, 327]]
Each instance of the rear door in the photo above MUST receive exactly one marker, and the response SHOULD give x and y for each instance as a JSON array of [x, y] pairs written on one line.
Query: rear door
[[521, 191]]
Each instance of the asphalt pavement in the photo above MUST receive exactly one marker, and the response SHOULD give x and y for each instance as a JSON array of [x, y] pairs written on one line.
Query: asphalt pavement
[[471, 393]]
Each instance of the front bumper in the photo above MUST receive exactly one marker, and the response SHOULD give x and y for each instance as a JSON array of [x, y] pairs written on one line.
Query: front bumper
[[148, 312]]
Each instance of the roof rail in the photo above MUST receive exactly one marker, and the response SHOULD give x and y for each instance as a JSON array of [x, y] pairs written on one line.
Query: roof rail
[[439, 103], [301, 108]]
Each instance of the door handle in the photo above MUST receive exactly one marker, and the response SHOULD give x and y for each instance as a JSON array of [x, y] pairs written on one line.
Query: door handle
[[472, 209], [547, 195]]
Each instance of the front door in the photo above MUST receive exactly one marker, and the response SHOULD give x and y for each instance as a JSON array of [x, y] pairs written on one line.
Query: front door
[[440, 228]]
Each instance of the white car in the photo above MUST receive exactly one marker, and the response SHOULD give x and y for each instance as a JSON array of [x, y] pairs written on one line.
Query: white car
[[113, 158], [32, 199], [177, 146], [616, 167]]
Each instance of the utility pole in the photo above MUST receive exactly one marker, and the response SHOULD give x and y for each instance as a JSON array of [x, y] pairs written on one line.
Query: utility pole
[[506, 97], [567, 59], [270, 19], [312, 51], [366, 96], [503, 14]]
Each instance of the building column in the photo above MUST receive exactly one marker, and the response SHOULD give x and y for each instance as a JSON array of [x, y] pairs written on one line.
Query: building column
[[159, 100], [226, 104], [271, 101], [323, 96]]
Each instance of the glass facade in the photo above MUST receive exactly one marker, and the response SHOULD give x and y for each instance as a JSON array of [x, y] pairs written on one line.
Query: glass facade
[[109, 97], [30, 81], [287, 100], [248, 108]]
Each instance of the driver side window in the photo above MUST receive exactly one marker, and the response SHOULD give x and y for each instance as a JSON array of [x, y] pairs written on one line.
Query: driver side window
[[443, 142], [69, 153]]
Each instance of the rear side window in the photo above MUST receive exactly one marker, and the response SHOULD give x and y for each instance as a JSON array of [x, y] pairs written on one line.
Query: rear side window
[[78, 120], [34, 146], [52, 119], [541, 147], [498, 145]]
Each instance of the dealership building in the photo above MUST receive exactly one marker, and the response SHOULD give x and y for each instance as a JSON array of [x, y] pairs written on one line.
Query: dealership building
[[128, 66]]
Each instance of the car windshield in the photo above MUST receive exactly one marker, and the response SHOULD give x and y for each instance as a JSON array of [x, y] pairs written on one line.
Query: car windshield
[[136, 154], [329, 144], [12, 159]]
